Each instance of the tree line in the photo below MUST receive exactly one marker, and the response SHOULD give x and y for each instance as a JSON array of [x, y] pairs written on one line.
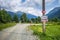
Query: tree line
[[55, 19], [5, 17], [24, 19]]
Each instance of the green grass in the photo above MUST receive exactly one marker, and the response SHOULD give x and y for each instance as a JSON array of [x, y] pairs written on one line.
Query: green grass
[[3, 26], [52, 32]]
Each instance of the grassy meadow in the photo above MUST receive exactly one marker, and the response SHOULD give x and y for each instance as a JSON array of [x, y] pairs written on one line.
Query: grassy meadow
[[52, 31]]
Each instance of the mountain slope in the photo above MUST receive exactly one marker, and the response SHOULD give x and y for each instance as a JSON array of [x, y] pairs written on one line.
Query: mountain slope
[[29, 16], [54, 13], [19, 13]]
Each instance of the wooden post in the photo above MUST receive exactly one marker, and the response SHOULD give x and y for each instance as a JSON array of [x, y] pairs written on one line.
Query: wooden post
[[43, 12], [43, 27]]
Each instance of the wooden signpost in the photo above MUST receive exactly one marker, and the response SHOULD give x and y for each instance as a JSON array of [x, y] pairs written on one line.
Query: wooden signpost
[[44, 18]]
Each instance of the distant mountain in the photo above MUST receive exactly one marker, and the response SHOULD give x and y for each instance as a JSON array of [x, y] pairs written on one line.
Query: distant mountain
[[11, 13], [54, 13], [19, 13], [0, 8], [31, 16]]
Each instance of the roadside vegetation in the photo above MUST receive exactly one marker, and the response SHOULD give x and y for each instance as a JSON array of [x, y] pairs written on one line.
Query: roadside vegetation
[[52, 31], [6, 20], [7, 25]]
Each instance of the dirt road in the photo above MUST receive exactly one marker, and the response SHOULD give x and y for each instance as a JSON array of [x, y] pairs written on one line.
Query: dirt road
[[18, 32]]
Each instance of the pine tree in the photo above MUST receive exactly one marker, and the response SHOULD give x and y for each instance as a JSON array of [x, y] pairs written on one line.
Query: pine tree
[[24, 18], [15, 18], [3, 16], [9, 18]]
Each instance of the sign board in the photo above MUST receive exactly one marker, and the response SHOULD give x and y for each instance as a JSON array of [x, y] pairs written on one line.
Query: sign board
[[44, 19]]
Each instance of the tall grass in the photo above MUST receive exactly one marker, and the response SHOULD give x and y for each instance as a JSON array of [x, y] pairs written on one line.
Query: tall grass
[[3, 26], [52, 32]]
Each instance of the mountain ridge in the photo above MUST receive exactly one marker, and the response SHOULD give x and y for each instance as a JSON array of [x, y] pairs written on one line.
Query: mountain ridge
[[19, 13], [54, 13]]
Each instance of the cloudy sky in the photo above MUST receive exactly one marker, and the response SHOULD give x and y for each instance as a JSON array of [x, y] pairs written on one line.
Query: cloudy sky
[[28, 6]]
